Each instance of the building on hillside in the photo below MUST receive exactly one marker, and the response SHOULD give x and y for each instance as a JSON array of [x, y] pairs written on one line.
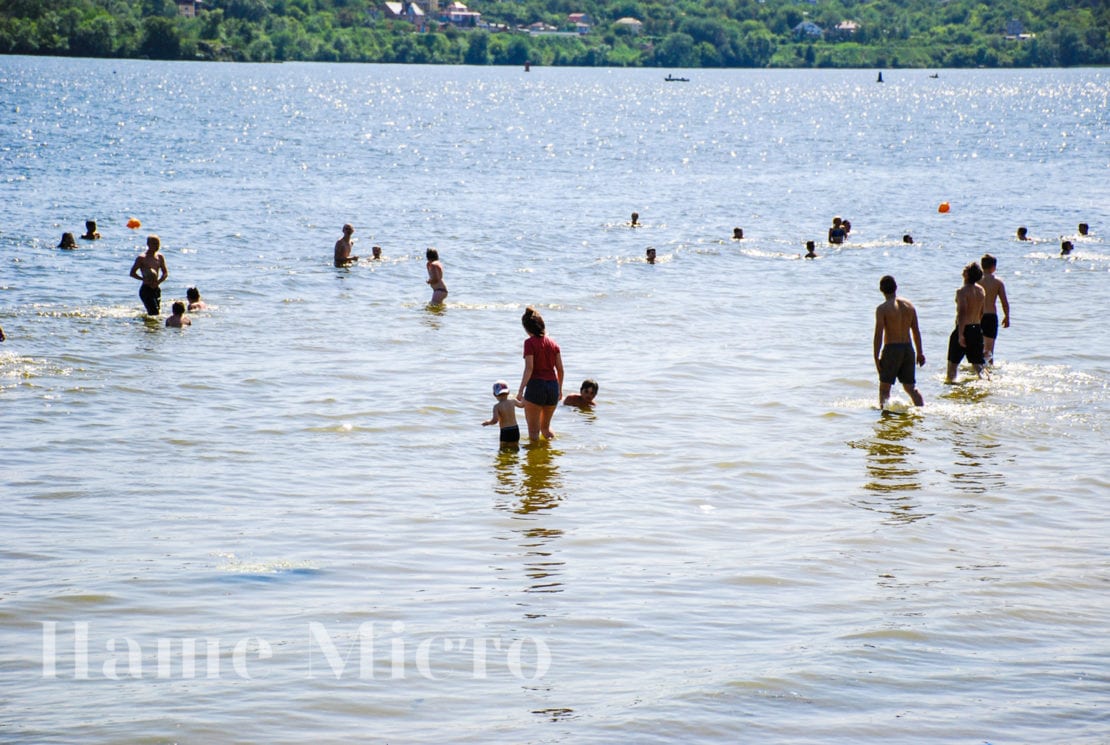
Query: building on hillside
[[629, 23], [808, 30], [459, 15], [188, 8], [1015, 31], [582, 22], [407, 11]]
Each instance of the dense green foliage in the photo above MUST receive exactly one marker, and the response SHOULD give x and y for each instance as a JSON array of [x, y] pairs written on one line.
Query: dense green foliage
[[675, 33]]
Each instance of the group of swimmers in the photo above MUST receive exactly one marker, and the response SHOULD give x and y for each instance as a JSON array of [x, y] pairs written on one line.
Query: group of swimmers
[[343, 258], [1066, 246], [150, 269]]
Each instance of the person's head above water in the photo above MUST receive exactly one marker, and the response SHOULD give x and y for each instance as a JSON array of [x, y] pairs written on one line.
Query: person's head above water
[[1065, 248], [887, 285], [1083, 228], [738, 233], [192, 294], [1022, 234], [635, 218], [650, 255], [907, 238], [178, 308], [376, 251], [67, 241], [348, 229]]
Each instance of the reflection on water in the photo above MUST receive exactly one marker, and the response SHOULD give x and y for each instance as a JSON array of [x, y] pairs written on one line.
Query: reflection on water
[[974, 445], [528, 480], [891, 475]]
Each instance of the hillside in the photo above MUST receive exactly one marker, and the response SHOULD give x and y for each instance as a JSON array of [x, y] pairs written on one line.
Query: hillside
[[660, 33]]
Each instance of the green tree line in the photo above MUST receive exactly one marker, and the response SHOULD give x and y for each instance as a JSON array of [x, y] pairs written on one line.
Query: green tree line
[[673, 33]]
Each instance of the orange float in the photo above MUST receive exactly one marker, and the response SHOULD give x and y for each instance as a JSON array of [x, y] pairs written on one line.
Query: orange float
[[944, 207], [133, 223]]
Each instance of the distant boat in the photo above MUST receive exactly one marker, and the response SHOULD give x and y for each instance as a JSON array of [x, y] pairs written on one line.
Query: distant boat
[[934, 75], [672, 79]]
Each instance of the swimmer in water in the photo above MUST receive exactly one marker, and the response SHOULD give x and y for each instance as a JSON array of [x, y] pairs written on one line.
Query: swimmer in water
[[150, 269], [195, 303], [737, 234], [895, 323], [90, 231], [635, 220], [650, 255], [178, 319], [435, 277], [584, 399], [907, 239], [1022, 234], [1065, 248], [811, 250], [67, 241], [343, 248], [1083, 228]]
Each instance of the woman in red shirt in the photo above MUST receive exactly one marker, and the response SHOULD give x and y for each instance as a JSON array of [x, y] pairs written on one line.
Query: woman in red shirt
[[541, 386]]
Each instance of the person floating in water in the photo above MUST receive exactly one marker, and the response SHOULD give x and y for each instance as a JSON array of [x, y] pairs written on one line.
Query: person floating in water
[[584, 399], [1065, 248], [895, 323], [195, 303], [1022, 234], [649, 255], [907, 239], [837, 233], [435, 277], [504, 413], [967, 338], [67, 241], [150, 269], [811, 250], [995, 295], [343, 248], [1083, 228], [635, 220], [737, 234], [178, 319], [376, 253], [90, 231]]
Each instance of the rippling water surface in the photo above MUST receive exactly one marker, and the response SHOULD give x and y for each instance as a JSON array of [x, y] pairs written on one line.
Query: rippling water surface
[[285, 524]]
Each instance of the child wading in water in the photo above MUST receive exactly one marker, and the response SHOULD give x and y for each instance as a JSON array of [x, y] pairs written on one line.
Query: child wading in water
[[504, 413]]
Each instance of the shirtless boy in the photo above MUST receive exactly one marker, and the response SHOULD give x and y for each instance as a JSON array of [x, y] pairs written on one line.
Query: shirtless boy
[[895, 322], [150, 268], [343, 248], [584, 399], [996, 291], [178, 319], [967, 337], [504, 413]]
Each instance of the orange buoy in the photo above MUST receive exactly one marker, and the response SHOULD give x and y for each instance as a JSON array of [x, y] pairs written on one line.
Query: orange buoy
[[133, 223], [944, 207]]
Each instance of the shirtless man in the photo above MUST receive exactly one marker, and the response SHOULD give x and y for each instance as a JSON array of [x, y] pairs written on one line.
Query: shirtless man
[[995, 291], [895, 321], [150, 268], [343, 248], [967, 337]]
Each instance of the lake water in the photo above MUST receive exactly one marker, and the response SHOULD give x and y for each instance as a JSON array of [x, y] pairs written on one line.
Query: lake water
[[285, 524]]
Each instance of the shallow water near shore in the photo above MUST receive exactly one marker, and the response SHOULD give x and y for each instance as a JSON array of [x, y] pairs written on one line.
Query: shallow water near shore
[[286, 523]]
